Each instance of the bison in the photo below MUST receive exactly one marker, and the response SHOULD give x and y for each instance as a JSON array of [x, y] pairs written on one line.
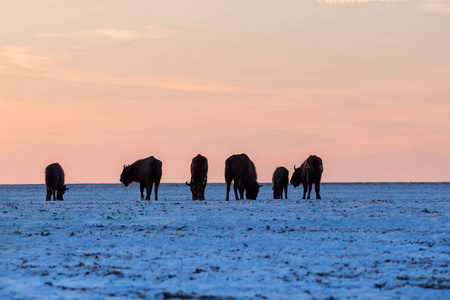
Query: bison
[[309, 173], [146, 172], [54, 181], [199, 176], [241, 169], [280, 181]]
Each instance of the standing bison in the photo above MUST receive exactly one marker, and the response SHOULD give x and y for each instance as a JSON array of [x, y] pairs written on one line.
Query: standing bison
[[280, 182], [54, 181], [241, 169], [199, 176], [309, 173], [146, 172]]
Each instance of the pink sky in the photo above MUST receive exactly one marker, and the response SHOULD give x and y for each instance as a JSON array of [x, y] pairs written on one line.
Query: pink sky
[[364, 85]]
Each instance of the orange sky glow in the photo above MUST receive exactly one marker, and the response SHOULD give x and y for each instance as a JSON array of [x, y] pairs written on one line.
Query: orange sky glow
[[95, 85]]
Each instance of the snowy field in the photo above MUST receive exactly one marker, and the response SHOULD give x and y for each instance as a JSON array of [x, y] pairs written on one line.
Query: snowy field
[[364, 241]]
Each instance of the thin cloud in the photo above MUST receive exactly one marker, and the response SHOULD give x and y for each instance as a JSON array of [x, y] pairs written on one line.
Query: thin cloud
[[436, 6], [27, 57], [432, 6], [38, 63], [152, 32]]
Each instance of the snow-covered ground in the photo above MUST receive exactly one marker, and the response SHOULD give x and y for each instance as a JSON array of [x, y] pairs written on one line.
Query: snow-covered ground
[[378, 241]]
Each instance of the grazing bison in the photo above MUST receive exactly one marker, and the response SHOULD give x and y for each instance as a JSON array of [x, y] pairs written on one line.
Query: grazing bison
[[54, 181], [241, 169], [280, 181], [145, 172], [309, 173], [199, 176]]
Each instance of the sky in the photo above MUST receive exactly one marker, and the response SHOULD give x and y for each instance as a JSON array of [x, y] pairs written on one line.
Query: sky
[[95, 85]]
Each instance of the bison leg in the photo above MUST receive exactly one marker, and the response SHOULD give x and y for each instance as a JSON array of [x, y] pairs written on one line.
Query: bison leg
[[285, 192], [309, 190], [277, 193], [317, 186], [149, 190], [49, 195], [203, 190], [305, 189], [142, 187], [197, 192], [228, 190], [201, 193], [241, 191], [54, 195], [156, 190]]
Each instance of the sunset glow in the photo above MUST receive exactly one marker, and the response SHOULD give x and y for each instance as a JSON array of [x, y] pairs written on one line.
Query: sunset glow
[[96, 85]]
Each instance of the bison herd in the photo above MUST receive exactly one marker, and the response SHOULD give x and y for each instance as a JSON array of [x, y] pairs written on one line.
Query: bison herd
[[238, 168]]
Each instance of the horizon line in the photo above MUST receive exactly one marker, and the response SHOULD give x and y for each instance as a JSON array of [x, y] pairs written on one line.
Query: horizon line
[[323, 182]]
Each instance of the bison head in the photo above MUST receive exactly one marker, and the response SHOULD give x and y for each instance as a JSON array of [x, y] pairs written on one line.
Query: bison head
[[252, 190], [296, 178], [125, 177], [194, 190], [276, 191], [60, 190]]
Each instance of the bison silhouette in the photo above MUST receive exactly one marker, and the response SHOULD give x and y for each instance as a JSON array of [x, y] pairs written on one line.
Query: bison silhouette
[[54, 181], [309, 173], [146, 172], [241, 169], [280, 182], [199, 177]]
